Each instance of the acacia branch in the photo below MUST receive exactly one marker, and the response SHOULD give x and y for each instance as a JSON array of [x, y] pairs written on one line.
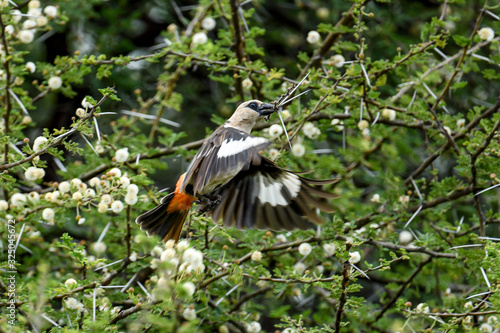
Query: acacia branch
[[393, 300]]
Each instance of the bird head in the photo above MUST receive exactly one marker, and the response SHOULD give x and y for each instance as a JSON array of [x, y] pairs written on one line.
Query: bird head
[[247, 113], [263, 109]]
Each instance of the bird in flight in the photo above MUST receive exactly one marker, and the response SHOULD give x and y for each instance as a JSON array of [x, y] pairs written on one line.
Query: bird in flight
[[231, 180]]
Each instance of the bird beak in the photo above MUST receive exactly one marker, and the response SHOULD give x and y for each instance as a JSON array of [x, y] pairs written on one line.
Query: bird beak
[[266, 109]]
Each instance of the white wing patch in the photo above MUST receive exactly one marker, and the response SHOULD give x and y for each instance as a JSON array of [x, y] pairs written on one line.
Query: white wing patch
[[233, 147], [292, 184], [271, 193]]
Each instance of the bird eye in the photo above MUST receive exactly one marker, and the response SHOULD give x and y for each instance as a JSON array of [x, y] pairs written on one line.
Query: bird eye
[[252, 105]]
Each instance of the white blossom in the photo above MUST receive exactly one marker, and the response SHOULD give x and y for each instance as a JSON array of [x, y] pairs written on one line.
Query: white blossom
[[405, 237], [76, 182], [338, 60], [115, 172], [182, 245], [48, 214], [167, 255], [29, 24], [305, 249], [189, 313], [70, 282], [77, 196], [200, 38], [189, 287], [273, 154], [329, 249], [34, 196], [50, 11], [313, 37], [299, 268], [71, 303], [404, 199], [121, 155], [4, 205], [338, 124], [375, 198], [10, 30], [256, 256], [117, 206], [55, 82], [486, 34], [41, 21], [275, 131], [26, 120], [86, 103], [247, 83], [99, 247], [106, 199], [34, 173], [31, 67], [94, 181], [34, 4], [421, 308], [253, 327], [208, 23], [131, 199], [363, 124], [311, 131], [80, 112], [26, 36], [193, 257], [64, 187], [485, 327], [18, 199], [389, 114], [170, 244], [133, 256], [354, 257], [132, 189], [156, 251], [281, 238], [39, 141], [298, 150], [124, 181], [461, 123], [89, 193]]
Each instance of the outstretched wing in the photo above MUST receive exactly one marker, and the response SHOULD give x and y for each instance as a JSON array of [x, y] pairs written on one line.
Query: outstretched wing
[[269, 197], [223, 155]]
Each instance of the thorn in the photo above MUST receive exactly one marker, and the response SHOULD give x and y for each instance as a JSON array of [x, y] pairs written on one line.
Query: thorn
[[88, 142], [466, 246], [489, 188], [98, 132], [413, 216], [104, 232], [284, 127], [148, 116], [365, 74], [485, 277]]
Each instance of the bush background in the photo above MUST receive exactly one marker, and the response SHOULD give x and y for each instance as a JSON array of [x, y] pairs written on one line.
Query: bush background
[[418, 74]]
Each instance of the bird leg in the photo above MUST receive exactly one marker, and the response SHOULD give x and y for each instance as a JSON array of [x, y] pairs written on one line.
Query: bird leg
[[207, 203]]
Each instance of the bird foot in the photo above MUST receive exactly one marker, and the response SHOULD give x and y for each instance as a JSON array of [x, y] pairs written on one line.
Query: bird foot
[[206, 204]]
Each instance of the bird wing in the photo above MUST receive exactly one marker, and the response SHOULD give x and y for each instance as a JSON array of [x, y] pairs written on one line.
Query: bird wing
[[269, 197], [223, 155]]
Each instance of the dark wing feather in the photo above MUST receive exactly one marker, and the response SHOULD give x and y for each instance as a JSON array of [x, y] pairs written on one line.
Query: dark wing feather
[[222, 156], [269, 197]]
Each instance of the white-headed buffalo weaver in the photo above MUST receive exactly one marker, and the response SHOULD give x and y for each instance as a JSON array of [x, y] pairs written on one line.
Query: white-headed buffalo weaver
[[230, 179]]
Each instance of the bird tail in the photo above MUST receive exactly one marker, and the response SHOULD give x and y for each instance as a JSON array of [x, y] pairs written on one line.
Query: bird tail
[[166, 219]]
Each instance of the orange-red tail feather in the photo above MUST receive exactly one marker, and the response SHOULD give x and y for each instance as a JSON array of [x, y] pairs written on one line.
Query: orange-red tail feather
[[166, 219]]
